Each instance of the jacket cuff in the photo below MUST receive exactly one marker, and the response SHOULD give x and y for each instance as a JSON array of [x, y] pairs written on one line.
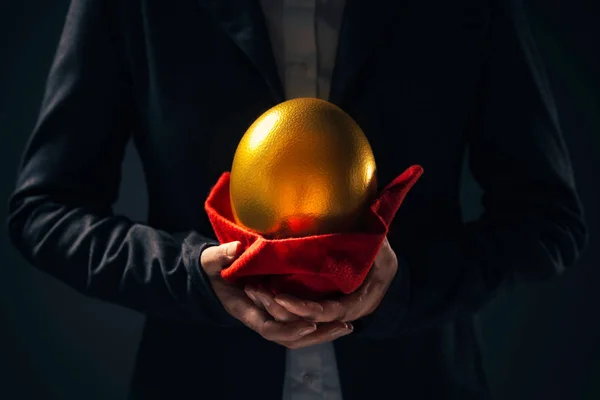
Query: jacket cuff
[[194, 244]]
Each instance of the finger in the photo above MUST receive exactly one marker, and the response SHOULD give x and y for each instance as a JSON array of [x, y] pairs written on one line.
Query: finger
[[276, 331], [214, 258], [324, 311], [242, 308], [324, 333], [347, 308], [254, 299], [303, 308], [266, 301], [260, 322], [333, 310]]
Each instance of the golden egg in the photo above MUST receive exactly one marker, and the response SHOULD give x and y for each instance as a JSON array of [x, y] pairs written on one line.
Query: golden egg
[[303, 167]]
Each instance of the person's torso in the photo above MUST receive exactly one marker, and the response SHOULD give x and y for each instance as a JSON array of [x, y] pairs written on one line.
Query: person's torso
[[304, 37], [408, 73]]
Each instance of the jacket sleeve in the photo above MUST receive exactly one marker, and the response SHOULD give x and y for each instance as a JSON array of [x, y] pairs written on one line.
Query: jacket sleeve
[[532, 227], [60, 216]]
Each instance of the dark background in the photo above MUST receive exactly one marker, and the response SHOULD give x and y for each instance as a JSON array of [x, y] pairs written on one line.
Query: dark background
[[540, 342]]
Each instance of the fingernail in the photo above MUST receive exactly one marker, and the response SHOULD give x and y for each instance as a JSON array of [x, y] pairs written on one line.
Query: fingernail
[[349, 326], [306, 331], [282, 303], [314, 306], [340, 332], [231, 249], [251, 295], [308, 304], [264, 299]]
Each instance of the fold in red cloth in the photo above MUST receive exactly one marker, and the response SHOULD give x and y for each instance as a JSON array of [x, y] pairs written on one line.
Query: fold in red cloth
[[311, 267]]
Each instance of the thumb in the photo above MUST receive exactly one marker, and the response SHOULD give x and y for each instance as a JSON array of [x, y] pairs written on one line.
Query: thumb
[[220, 256]]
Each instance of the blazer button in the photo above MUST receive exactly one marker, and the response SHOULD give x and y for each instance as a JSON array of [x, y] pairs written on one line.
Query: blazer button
[[308, 378]]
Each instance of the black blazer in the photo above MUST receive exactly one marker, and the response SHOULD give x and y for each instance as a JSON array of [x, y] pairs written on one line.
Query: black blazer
[[184, 79]]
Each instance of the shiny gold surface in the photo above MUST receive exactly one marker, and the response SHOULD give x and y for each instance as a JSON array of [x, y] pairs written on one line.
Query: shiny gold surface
[[303, 167]]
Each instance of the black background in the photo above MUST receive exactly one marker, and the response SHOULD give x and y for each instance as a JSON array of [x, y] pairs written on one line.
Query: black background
[[540, 342]]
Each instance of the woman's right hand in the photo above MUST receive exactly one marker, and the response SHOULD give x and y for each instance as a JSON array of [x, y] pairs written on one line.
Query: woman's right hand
[[237, 303]]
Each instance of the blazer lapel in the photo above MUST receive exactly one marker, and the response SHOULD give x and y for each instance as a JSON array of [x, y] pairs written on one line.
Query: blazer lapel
[[244, 22], [363, 26]]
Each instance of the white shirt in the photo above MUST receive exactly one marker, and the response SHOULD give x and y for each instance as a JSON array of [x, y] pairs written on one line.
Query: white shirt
[[304, 36]]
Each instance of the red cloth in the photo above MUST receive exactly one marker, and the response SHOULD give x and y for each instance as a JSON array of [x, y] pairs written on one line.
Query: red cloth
[[311, 267]]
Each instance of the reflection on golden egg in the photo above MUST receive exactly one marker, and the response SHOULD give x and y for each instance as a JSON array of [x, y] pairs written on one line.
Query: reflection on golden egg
[[303, 167]]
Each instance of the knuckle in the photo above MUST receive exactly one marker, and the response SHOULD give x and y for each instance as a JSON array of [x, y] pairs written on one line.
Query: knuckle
[[235, 307], [221, 256], [249, 317], [266, 330], [282, 317]]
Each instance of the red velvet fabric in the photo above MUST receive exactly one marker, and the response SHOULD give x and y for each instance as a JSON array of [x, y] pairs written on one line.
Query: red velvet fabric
[[311, 267]]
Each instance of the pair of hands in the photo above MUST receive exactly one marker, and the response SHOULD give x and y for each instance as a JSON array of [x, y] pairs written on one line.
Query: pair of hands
[[290, 321]]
